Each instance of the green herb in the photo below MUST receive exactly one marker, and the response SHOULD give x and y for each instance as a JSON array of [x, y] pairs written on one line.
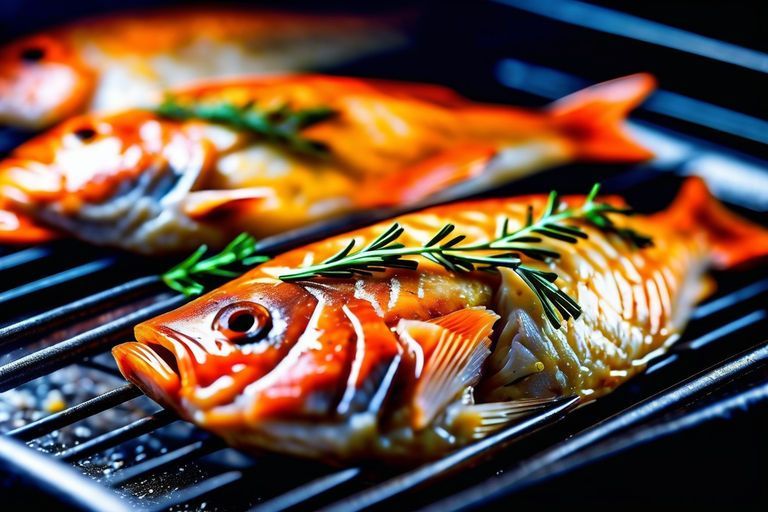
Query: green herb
[[281, 125], [385, 252], [183, 276], [506, 250]]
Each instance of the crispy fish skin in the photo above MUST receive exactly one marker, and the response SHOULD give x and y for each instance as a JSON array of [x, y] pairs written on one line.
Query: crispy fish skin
[[126, 60], [150, 184], [410, 364]]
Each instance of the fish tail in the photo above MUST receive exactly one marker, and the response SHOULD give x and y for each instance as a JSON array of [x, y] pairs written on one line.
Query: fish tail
[[734, 240], [593, 119]]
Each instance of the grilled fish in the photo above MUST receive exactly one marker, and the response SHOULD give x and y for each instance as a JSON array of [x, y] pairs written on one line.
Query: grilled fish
[[151, 183], [412, 363], [128, 59]]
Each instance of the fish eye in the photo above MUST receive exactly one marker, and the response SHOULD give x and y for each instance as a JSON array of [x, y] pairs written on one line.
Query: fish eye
[[85, 134], [243, 322], [32, 54]]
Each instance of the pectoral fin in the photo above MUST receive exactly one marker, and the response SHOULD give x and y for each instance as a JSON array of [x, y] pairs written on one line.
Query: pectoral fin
[[431, 176], [476, 421], [206, 202], [448, 353]]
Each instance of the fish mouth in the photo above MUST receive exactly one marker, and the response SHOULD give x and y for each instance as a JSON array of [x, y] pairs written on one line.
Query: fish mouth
[[200, 379], [152, 366]]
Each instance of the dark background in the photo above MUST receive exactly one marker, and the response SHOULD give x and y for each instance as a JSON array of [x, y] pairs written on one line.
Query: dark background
[[458, 43]]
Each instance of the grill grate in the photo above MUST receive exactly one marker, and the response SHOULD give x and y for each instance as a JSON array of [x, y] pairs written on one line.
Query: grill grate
[[69, 304]]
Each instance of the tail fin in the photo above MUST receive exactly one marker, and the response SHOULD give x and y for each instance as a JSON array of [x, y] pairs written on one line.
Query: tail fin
[[593, 117], [734, 240]]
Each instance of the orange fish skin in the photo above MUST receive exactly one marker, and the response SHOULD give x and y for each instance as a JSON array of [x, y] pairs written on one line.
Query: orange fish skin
[[389, 144], [127, 59], [307, 377]]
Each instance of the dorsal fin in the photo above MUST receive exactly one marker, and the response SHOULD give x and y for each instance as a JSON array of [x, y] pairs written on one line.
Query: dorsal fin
[[453, 348]]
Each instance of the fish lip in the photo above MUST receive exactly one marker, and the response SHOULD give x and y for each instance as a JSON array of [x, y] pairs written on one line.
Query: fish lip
[[168, 343], [158, 362]]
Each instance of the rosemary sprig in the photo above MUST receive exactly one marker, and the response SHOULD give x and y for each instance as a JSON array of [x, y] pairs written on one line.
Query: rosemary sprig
[[281, 125], [182, 277], [506, 250]]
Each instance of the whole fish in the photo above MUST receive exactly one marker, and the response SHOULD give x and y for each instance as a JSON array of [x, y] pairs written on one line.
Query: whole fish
[[408, 363], [264, 155], [128, 59]]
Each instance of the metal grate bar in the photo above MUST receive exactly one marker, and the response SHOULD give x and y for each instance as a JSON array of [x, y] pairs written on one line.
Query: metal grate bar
[[199, 490], [627, 25], [56, 279], [76, 413], [68, 486], [23, 257], [646, 433], [39, 323], [552, 84], [454, 461], [142, 426], [308, 491], [633, 415], [723, 331], [104, 368], [176, 457], [732, 299], [61, 354]]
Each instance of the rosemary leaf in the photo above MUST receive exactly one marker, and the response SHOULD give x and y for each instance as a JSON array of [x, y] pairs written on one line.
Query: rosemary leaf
[[281, 125], [183, 277], [384, 252], [507, 250]]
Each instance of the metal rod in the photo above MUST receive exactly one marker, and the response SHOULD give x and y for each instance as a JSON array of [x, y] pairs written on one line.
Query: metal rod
[[175, 458], [56, 279], [23, 257], [102, 367], [452, 462], [51, 318], [75, 413], [724, 330], [732, 299], [540, 462], [54, 479], [308, 491], [630, 26], [61, 354], [115, 437], [199, 490]]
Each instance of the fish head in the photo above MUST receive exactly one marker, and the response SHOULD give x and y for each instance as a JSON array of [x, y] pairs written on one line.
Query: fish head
[[42, 81], [102, 176], [312, 368], [269, 360], [209, 351]]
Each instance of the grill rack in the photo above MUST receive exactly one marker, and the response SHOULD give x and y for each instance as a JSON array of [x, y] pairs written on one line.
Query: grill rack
[[739, 309]]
